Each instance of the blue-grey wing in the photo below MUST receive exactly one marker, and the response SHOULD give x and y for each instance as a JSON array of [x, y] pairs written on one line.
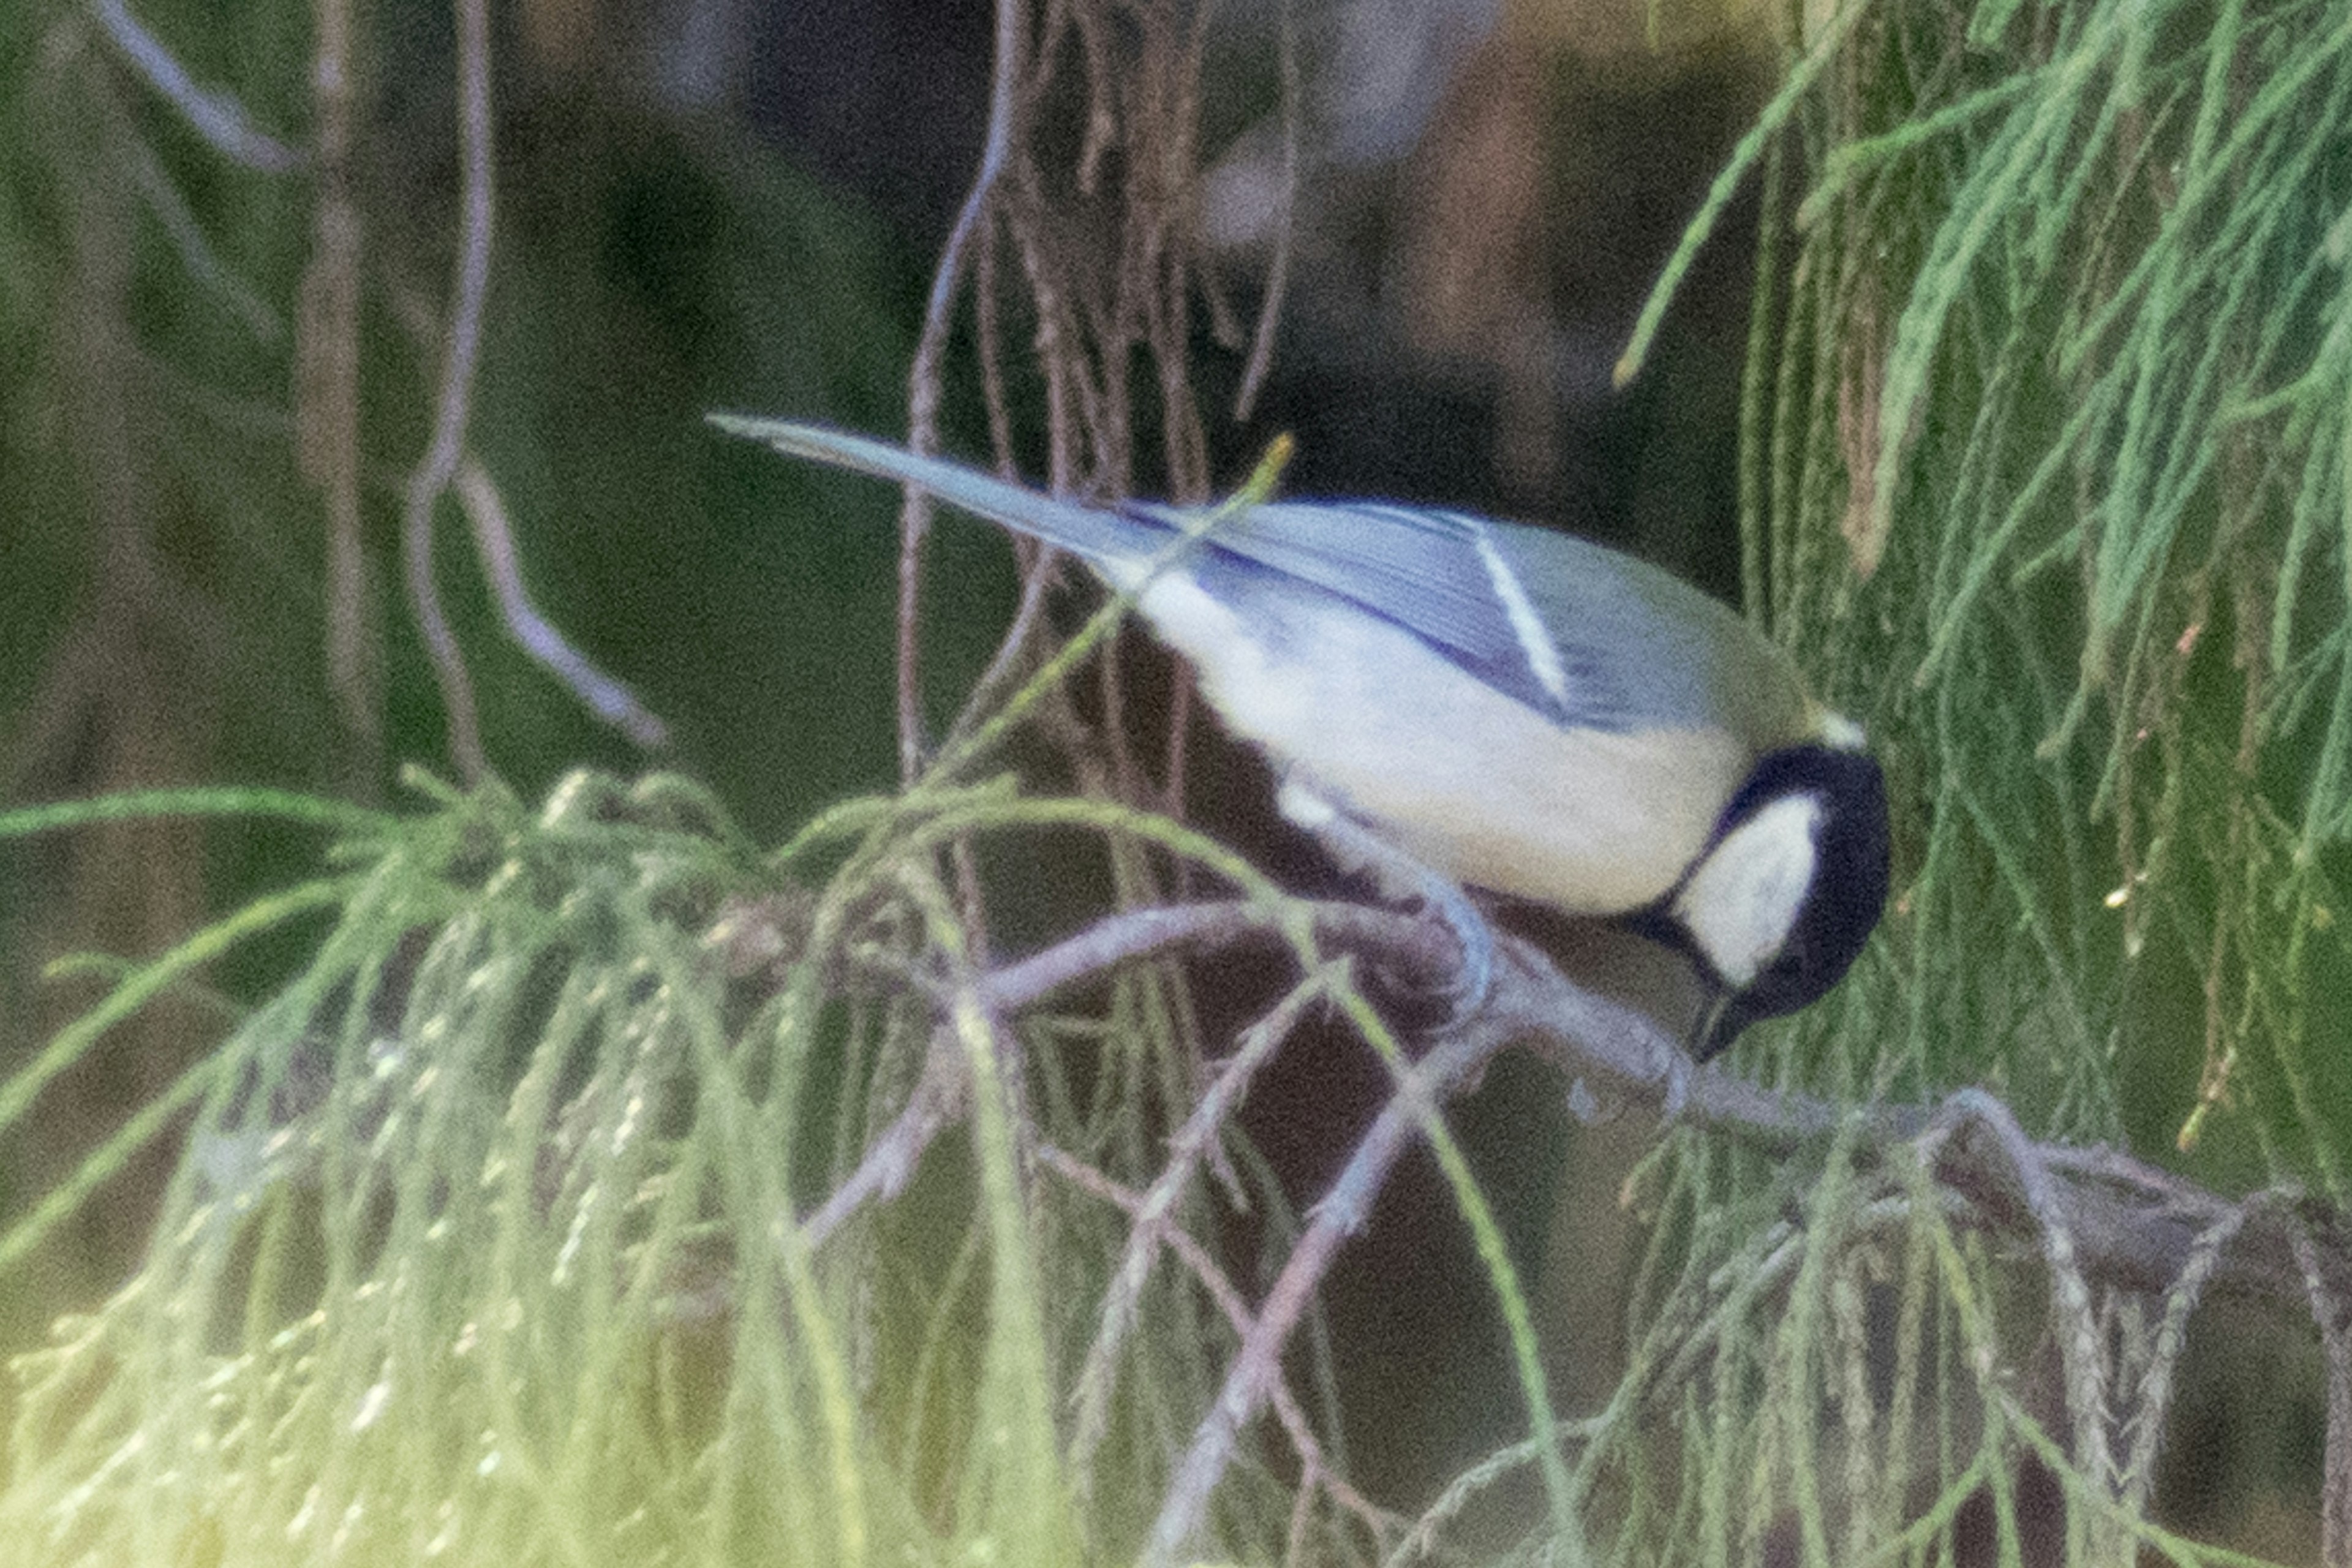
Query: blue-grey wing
[[1580, 632], [1672, 655]]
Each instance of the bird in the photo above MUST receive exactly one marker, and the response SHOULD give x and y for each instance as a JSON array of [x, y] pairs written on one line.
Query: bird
[[1496, 707]]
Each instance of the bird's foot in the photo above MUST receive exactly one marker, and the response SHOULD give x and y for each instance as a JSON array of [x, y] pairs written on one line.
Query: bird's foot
[[1356, 846]]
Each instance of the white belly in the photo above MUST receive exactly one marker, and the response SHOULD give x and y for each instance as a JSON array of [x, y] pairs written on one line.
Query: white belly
[[1475, 785]]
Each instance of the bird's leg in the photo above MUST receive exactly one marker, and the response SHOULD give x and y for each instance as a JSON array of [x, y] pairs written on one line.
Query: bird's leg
[[1400, 874]]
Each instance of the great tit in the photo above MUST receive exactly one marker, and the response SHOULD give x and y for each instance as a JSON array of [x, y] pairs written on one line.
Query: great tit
[[1518, 710]]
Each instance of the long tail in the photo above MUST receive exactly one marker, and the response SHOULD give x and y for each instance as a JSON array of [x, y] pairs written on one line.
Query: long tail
[[1105, 537]]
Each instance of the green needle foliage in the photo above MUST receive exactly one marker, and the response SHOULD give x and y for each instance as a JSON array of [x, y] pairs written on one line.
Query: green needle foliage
[[484, 1246], [2045, 462]]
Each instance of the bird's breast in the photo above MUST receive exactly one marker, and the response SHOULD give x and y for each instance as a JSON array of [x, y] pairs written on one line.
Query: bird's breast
[[1475, 783]]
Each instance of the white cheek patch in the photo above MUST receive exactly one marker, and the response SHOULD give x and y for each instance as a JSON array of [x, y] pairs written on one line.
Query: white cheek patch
[[1742, 902]]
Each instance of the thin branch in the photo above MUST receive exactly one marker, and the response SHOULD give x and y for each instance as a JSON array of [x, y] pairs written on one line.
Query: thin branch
[[1155, 1211], [2326, 1303], [1277, 271], [327, 396], [2078, 1337], [939, 1101], [1381, 935], [462, 348], [494, 541], [924, 385], [988, 333], [1036, 580], [1317, 1472], [2152, 1401], [1257, 1365], [1075, 399], [215, 116], [196, 253]]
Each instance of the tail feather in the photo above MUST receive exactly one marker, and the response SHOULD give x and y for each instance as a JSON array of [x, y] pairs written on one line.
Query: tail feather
[[1104, 537]]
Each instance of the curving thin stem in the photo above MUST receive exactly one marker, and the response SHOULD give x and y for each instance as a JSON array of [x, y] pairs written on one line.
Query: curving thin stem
[[215, 116], [1316, 1470], [924, 381], [1257, 1366], [461, 349], [1154, 1214], [494, 541], [1277, 271]]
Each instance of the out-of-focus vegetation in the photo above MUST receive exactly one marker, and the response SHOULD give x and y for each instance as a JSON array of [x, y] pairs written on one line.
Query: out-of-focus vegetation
[[168, 439], [478, 1178]]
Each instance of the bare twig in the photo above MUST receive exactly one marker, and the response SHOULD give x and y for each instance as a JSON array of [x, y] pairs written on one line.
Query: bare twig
[[2152, 1401], [937, 1100], [2079, 1337], [462, 347], [1277, 271], [1155, 1210], [1382, 935], [327, 394], [215, 116], [1317, 1472], [1257, 1364], [890, 1160], [924, 385], [494, 541], [2326, 1302], [204, 264], [494, 547], [1028, 616]]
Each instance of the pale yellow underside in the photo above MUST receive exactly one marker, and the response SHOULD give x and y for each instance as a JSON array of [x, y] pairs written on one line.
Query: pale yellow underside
[[1475, 785]]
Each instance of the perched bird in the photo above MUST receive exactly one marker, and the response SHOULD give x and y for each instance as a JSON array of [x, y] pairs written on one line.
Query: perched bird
[[1514, 710]]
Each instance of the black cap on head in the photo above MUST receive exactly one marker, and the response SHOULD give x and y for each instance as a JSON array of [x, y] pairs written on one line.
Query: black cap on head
[[1842, 797]]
